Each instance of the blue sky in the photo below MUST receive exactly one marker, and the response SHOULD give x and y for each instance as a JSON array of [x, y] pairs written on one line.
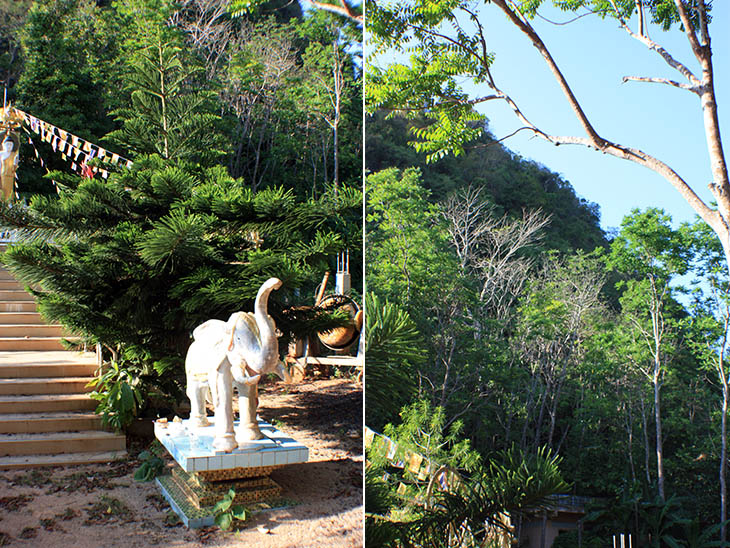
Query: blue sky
[[594, 55]]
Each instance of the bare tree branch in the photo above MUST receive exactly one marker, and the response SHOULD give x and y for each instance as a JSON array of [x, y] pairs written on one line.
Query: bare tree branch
[[595, 141], [343, 9], [668, 58], [688, 87]]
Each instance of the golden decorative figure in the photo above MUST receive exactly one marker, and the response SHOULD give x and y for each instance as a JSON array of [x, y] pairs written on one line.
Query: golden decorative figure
[[10, 121]]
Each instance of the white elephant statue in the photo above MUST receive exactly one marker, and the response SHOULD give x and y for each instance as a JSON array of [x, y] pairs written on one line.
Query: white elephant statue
[[233, 354]]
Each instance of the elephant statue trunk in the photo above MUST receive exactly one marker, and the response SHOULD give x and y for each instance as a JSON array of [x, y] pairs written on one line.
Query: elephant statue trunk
[[234, 354]]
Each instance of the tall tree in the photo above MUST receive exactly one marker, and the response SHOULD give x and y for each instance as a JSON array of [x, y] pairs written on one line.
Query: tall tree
[[12, 18], [58, 82], [651, 254], [557, 314], [712, 316]]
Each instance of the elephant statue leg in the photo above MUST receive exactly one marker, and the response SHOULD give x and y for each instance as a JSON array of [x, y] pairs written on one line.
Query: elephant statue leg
[[225, 438], [197, 391], [197, 384], [248, 403]]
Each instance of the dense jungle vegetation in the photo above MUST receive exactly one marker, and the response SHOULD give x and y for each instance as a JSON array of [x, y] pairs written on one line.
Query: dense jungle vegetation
[[516, 322], [245, 135]]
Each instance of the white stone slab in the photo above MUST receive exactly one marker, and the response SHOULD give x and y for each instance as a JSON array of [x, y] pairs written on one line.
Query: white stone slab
[[193, 450]]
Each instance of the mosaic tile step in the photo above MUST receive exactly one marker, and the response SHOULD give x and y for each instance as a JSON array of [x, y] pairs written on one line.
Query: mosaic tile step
[[235, 473], [247, 490], [193, 450], [193, 517]]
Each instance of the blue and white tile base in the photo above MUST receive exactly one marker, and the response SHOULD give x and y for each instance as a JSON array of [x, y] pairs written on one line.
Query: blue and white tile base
[[193, 450]]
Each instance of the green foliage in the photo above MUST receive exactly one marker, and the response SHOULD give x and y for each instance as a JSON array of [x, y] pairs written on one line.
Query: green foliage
[[68, 70], [152, 465], [119, 394], [58, 81], [511, 183], [470, 510], [648, 246], [225, 511], [395, 350], [12, 18], [171, 113], [406, 239], [423, 429]]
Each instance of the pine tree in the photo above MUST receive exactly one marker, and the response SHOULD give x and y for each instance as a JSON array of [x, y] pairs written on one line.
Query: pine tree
[[171, 112]]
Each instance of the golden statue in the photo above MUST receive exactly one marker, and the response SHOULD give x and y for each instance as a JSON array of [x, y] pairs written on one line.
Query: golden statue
[[10, 121]]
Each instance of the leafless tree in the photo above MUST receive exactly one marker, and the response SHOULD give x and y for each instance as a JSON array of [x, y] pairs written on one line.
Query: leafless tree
[[330, 87], [12, 17], [492, 247], [209, 29], [254, 64]]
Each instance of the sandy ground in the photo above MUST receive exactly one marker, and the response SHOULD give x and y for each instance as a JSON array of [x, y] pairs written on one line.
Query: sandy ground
[[102, 506]]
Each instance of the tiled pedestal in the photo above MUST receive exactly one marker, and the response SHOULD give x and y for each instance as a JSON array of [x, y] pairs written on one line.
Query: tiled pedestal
[[205, 475]]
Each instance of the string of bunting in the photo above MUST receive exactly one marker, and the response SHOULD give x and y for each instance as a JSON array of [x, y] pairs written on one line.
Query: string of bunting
[[42, 162], [417, 464], [423, 468], [74, 149]]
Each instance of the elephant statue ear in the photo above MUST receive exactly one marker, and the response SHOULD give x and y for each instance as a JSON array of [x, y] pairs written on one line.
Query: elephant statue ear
[[212, 333], [244, 325]]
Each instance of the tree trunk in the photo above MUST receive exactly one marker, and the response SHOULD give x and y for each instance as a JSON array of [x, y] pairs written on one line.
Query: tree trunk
[[336, 144], [630, 442], [723, 452], [658, 419], [647, 449]]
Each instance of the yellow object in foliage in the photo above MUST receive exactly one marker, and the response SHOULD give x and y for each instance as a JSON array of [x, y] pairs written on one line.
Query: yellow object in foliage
[[10, 122]]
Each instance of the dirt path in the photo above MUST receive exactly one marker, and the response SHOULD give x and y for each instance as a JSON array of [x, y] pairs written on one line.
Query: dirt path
[[102, 506]]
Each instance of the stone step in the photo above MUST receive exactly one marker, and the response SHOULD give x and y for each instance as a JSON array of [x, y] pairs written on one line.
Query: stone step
[[9, 284], [30, 343], [45, 385], [13, 295], [17, 306], [31, 330], [25, 318], [12, 423], [66, 459], [42, 403], [47, 370], [4, 274], [31, 364], [50, 443]]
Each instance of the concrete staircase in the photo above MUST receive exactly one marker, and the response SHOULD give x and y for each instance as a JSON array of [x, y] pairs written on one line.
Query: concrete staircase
[[46, 415]]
